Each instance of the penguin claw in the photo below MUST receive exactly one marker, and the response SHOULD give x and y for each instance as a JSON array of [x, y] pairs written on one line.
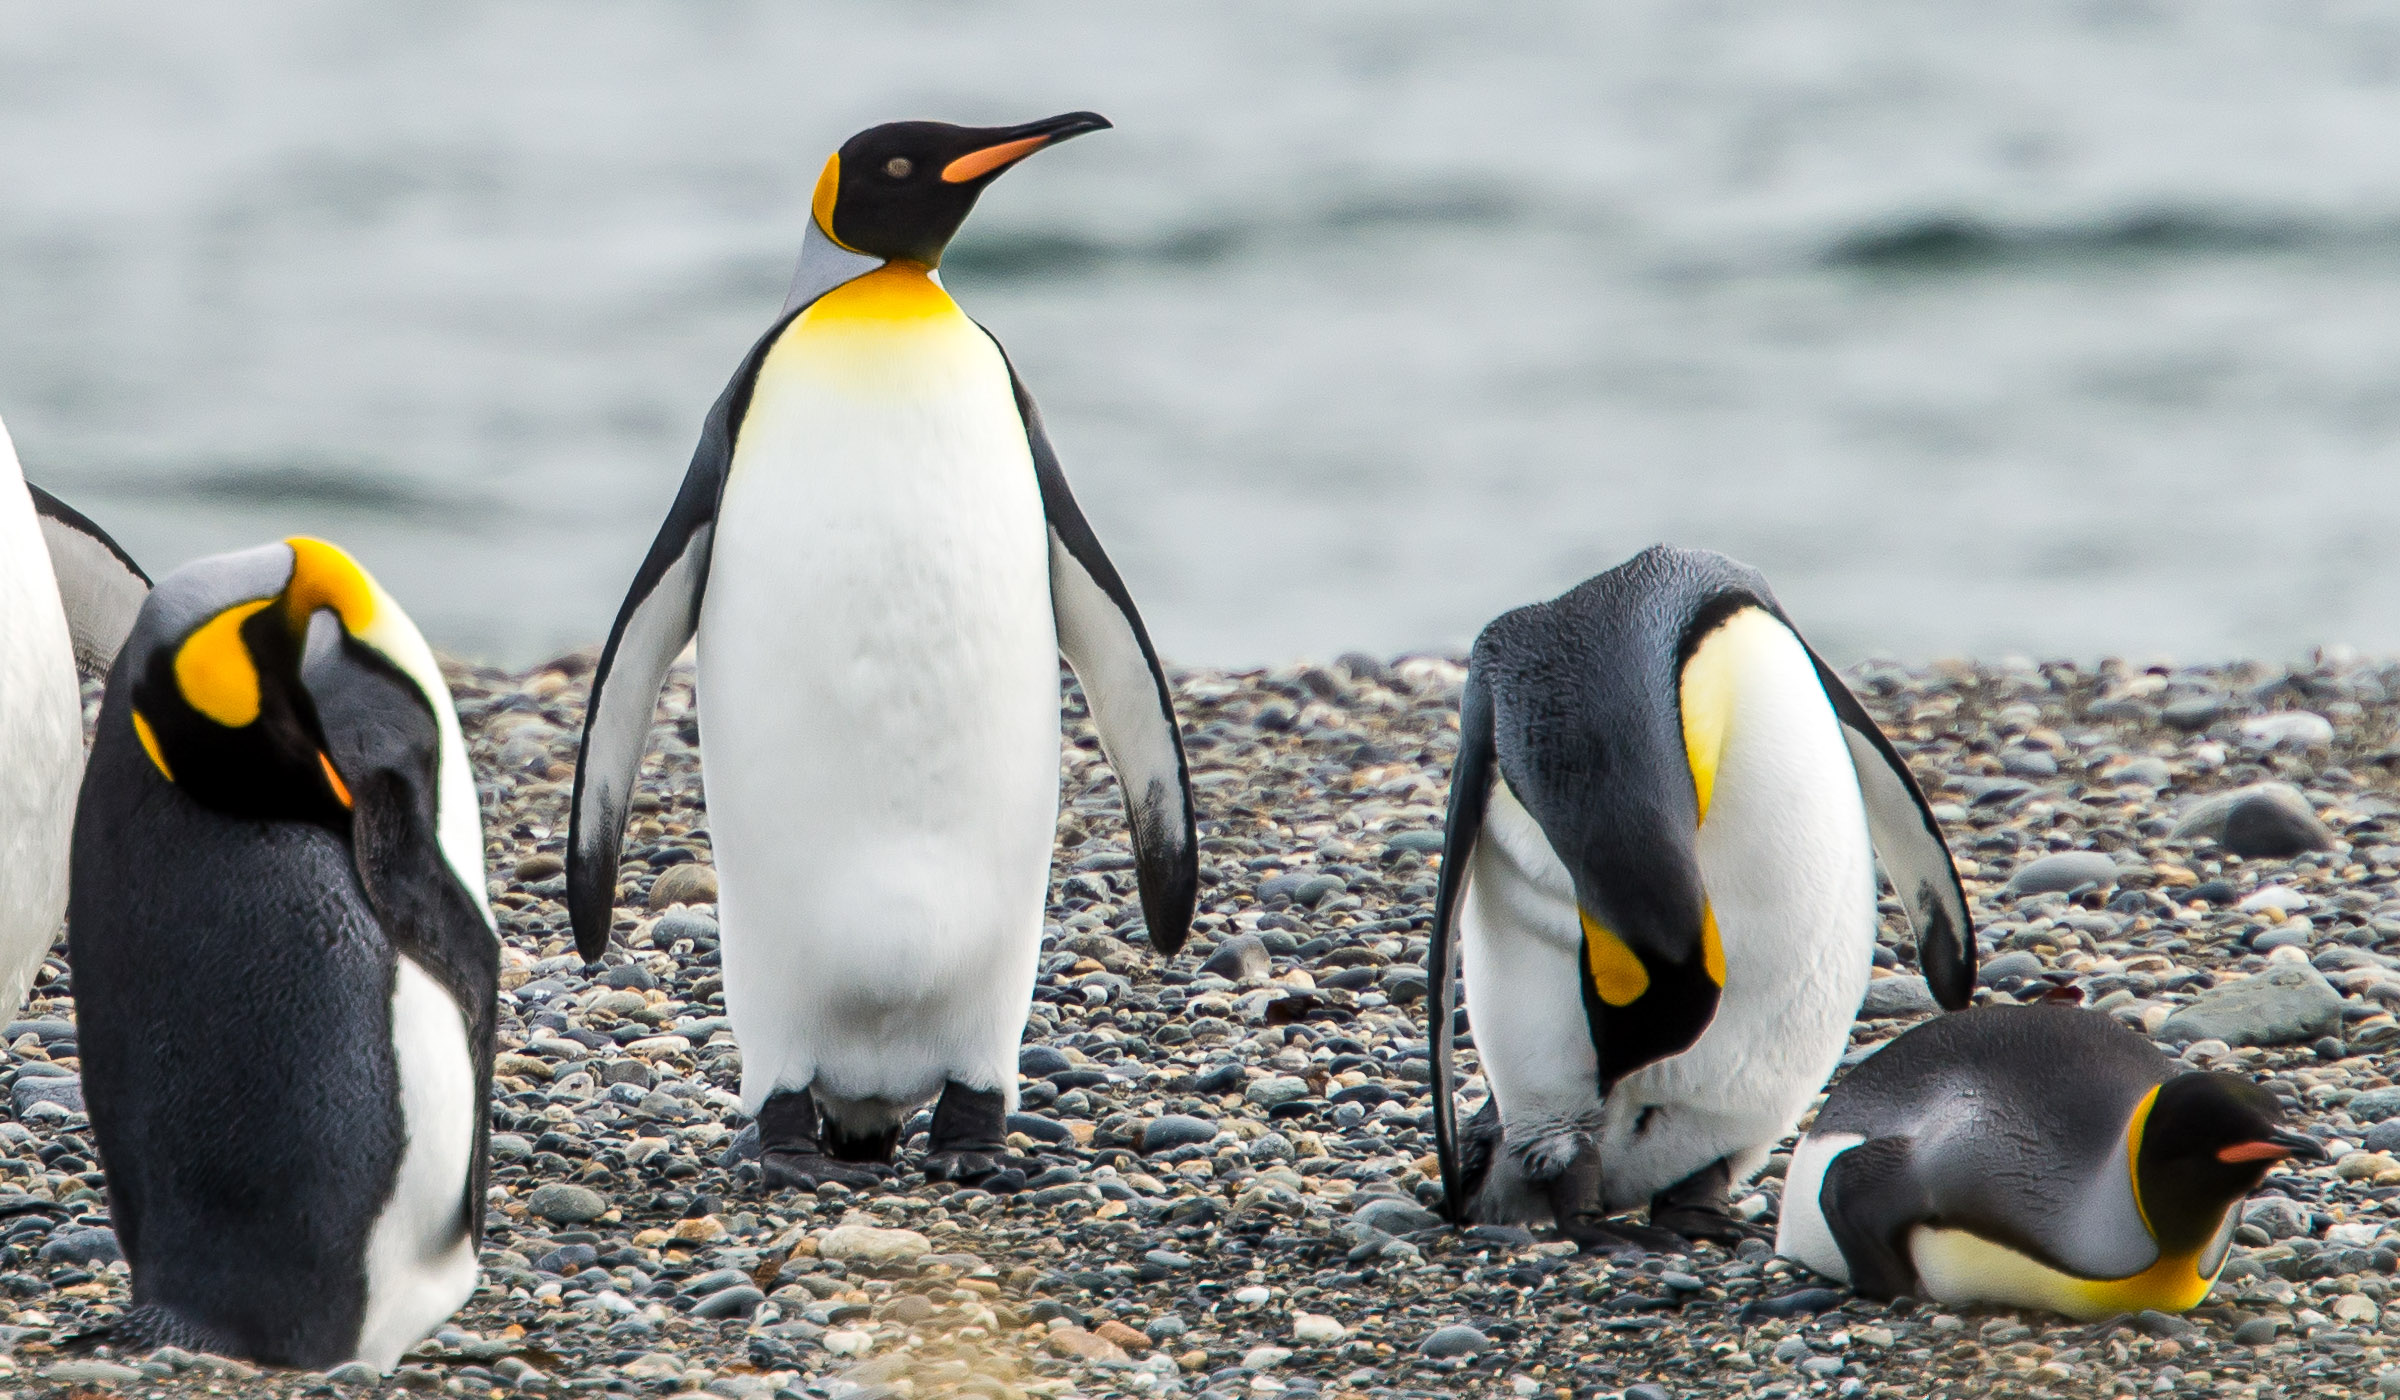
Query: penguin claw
[[806, 1171]]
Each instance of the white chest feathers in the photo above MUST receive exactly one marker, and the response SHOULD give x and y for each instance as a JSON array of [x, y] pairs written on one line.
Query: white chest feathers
[[41, 740], [421, 1255]]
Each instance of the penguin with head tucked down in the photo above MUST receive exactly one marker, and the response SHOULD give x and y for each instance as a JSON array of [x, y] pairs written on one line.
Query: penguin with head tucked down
[[2030, 1156], [67, 595], [1658, 885], [882, 561], [285, 970]]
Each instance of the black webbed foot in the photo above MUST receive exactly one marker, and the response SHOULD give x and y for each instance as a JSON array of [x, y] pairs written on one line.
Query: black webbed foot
[[965, 1144]]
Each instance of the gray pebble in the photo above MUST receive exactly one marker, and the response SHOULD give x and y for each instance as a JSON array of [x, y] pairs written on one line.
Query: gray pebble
[[1170, 1131], [1455, 1340], [1241, 958], [741, 1300], [1897, 996], [2285, 1004], [2062, 871], [1394, 1216], [565, 1204]]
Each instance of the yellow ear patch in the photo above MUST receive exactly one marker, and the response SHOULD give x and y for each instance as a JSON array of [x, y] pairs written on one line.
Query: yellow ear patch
[[214, 671], [1617, 973], [142, 731], [1712, 947], [829, 187], [2133, 1152], [323, 576]]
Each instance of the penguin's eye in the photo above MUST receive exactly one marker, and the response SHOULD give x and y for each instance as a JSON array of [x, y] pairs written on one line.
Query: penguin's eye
[[899, 167]]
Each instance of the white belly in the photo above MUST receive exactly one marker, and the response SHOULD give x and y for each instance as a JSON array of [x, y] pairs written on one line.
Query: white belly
[[879, 715], [420, 1262], [1787, 868], [1802, 1233], [41, 741]]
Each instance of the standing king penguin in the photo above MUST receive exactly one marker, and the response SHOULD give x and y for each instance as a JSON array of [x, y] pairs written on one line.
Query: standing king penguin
[[883, 563], [2033, 1157], [1657, 874], [285, 970], [67, 598]]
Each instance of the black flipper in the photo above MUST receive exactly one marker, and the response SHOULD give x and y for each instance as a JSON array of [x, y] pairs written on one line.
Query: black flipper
[[1470, 793], [659, 615], [1101, 634], [98, 583], [1909, 843], [1872, 1199]]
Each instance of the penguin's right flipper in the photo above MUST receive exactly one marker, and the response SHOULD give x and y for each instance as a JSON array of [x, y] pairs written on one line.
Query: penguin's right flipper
[[1102, 637], [660, 613], [1871, 1199], [1470, 794], [1909, 842], [98, 583]]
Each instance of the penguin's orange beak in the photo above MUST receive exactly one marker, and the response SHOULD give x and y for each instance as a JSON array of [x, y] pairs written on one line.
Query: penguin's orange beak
[[1021, 142], [2274, 1149]]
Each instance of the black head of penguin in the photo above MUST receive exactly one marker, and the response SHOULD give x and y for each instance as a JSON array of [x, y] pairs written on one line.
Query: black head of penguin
[[901, 190], [231, 662], [2205, 1142], [1588, 731]]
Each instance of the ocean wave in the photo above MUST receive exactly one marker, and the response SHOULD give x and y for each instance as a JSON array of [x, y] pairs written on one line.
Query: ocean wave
[[1947, 242], [355, 485]]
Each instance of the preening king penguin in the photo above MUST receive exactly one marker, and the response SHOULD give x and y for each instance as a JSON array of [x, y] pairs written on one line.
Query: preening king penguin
[[2030, 1156], [285, 969], [1658, 887], [883, 563], [67, 596]]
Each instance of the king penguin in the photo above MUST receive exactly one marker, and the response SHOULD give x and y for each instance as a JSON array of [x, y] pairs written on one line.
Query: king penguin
[[2030, 1156], [882, 561], [1658, 885], [285, 971], [67, 597]]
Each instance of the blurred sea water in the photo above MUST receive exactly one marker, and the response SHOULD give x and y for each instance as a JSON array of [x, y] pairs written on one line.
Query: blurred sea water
[[2047, 328]]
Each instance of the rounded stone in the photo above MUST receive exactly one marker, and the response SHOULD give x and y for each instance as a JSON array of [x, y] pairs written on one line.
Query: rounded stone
[[1454, 1340], [688, 883], [564, 1204], [1241, 958], [1170, 1131], [2062, 871]]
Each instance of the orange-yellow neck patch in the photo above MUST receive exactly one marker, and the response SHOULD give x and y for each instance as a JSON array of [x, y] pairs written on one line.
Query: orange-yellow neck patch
[[143, 732], [1710, 686], [895, 292], [1617, 971], [2133, 1154]]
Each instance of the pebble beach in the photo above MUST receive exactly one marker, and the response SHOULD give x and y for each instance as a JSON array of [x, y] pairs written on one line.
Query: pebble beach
[[1224, 1185]]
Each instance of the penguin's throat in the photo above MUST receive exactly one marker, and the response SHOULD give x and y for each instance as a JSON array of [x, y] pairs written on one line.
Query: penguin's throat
[[895, 292]]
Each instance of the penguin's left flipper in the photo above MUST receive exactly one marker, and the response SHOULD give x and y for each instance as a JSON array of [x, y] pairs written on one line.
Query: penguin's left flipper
[[1695, 1209], [660, 613], [1908, 841], [1102, 637], [1872, 1198], [99, 585], [1470, 794]]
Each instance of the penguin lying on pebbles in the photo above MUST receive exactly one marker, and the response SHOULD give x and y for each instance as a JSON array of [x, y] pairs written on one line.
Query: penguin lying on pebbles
[[1659, 876], [285, 969], [67, 596], [2030, 1156], [883, 563]]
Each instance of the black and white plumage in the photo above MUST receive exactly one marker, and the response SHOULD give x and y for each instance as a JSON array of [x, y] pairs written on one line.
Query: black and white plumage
[[285, 970], [1658, 886], [882, 563], [2030, 1156], [67, 593]]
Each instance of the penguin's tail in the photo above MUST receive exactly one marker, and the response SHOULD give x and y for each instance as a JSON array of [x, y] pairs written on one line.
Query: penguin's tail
[[152, 1325]]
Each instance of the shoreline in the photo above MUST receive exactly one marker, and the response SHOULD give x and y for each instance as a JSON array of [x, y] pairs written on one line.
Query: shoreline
[[1283, 1246]]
